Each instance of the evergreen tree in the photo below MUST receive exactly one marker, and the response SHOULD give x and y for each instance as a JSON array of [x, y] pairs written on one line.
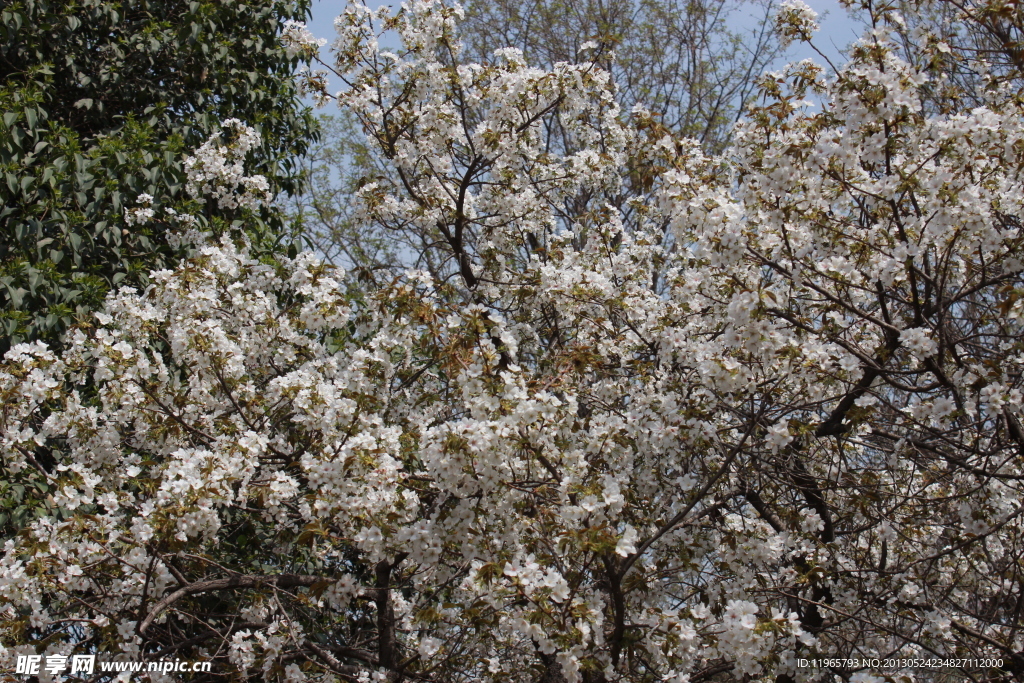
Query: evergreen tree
[[100, 99]]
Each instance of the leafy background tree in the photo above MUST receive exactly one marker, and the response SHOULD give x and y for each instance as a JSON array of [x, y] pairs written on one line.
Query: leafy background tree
[[100, 100]]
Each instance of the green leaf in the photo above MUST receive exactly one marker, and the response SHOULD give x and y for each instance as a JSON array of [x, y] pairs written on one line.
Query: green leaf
[[80, 91]]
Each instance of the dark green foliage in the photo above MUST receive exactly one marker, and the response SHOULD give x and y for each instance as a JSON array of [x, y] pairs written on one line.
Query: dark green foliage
[[100, 101]]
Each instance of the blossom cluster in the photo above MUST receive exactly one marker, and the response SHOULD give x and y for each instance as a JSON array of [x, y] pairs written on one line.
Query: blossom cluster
[[298, 41], [216, 171], [795, 20]]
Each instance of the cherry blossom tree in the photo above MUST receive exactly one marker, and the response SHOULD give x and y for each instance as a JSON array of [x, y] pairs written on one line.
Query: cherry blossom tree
[[791, 433], [692, 63]]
